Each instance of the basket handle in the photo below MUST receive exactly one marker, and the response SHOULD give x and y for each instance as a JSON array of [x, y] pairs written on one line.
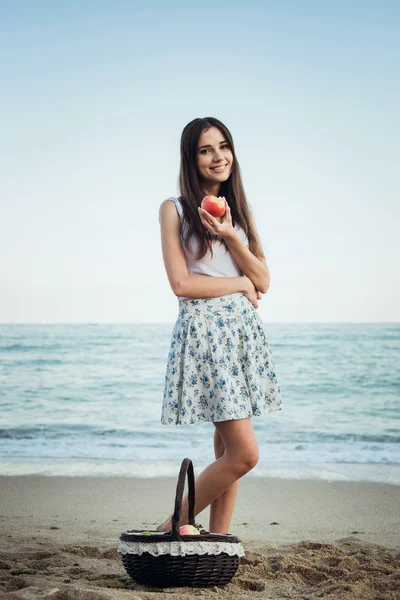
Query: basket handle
[[186, 468]]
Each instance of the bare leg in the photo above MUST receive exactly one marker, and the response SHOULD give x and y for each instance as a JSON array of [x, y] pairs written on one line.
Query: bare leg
[[239, 457], [221, 509]]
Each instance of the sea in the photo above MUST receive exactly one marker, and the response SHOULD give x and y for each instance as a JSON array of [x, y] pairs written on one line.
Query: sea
[[85, 400]]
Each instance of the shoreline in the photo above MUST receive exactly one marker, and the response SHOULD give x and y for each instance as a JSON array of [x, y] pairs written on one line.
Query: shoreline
[[388, 473]]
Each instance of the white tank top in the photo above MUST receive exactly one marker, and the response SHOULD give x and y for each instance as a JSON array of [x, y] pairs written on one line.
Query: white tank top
[[222, 264]]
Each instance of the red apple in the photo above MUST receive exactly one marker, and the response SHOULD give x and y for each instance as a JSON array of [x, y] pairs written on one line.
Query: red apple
[[213, 205], [188, 530]]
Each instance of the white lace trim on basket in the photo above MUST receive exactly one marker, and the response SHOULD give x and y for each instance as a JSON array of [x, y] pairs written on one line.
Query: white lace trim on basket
[[181, 548]]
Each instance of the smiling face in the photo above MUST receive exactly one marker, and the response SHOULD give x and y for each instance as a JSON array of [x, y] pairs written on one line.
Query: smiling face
[[214, 159]]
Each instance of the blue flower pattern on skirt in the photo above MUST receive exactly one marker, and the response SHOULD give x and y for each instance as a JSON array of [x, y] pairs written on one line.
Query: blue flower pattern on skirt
[[220, 365]]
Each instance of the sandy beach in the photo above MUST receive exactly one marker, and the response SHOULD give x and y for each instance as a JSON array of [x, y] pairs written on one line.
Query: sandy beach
[[302, 539]]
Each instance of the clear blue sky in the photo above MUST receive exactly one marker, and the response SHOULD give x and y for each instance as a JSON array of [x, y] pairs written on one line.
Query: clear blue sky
[[94, 99]]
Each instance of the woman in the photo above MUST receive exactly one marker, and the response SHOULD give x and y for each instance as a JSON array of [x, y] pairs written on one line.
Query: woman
[[220, 367]]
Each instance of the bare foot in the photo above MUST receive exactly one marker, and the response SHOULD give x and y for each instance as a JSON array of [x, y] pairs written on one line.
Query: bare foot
[[165, 526]]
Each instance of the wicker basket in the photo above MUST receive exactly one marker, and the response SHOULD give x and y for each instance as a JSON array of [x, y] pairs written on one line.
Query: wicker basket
[[169, 559]]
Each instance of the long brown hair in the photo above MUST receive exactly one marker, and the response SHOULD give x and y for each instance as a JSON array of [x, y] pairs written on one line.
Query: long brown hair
[[192, 194]]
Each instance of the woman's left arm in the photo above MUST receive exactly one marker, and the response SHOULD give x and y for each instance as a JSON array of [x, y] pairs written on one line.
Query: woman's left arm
[[254, 268]]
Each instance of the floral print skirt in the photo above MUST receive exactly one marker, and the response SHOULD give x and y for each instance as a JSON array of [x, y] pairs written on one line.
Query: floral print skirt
[[219, 365]]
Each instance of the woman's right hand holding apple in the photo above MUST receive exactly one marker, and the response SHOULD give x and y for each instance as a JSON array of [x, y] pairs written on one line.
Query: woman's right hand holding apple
[[250, 291]]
